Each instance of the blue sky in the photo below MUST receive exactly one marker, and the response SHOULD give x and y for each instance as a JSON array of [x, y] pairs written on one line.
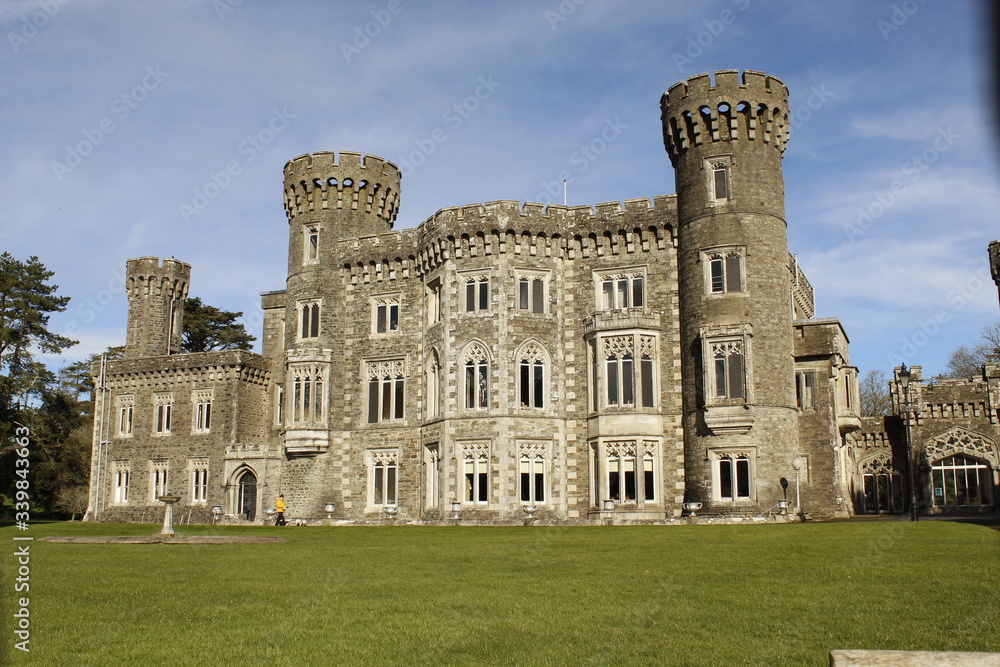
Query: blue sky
[[161, 128]]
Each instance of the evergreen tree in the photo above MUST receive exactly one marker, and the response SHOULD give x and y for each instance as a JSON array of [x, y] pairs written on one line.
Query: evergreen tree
[[207, 328]]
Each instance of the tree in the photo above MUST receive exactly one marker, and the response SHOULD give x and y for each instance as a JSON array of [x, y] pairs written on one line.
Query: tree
[[207, 328], [965, 362], [874, 390], [26, 301], [73, 499]]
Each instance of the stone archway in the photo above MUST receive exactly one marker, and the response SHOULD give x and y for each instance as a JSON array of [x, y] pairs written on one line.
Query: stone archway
[[246, 494], [963, 469]]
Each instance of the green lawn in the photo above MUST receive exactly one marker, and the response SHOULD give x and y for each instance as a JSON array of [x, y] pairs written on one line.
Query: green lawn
[[698, 595]]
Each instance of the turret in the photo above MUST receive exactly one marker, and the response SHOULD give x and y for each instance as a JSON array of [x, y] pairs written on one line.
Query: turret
[[350, 197], [156, 293], [725, 140]]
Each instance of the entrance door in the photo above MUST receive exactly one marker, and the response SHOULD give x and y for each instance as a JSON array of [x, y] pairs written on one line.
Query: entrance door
[[248, 495]]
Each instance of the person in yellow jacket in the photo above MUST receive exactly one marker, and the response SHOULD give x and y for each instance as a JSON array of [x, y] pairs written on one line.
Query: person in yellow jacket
[[279, 507]]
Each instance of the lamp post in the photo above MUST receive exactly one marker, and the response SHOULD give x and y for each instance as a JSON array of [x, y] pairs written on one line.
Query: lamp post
[[904, 380]]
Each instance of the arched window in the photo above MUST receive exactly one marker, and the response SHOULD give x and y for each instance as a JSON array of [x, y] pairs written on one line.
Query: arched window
[[883, 485], [385, 390], [531, 376], [477, 377], [961, 480]]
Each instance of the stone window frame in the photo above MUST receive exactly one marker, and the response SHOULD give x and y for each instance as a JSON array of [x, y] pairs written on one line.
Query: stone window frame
[[527, 300], [611, 456], [201, 410], [382, 377], [435, 377], [533, 466], [159, 478], [309, 393], [125, 405], [477, 366], [805, 389], [383, 478], [532, 356], [432, 475], [716, 166], [642, 349], [475, 459], [712, 340], [434, 297], [308, 315], [121, 474], [198, 491], [382, 306], [163, 404], [311, 240], [721, 257], [733, 455], [481, 294], [607, 296]]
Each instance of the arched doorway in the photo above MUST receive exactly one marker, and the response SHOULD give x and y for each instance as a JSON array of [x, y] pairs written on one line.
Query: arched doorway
[[246, 495], [882, 485]]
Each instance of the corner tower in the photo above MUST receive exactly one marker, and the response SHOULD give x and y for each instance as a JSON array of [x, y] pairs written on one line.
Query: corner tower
[[725, 141], [156, 293]]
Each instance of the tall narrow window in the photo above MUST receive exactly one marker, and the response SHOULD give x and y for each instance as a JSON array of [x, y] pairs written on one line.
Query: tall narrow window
[[476, 474], [477, 293], [384, 477], [385, 390], [199, 480], [163, 407], [531, 378], [477, 383], [720, 176], [158, 478], [434, 301], [126, 411], [309, 312], [432, 471], [202, 401], [531, 471], [726, 272], [728, 380], [805, 389], [531, 289], [308, 394], [621, 472], [122, 471], [433, 385], [312, 243]]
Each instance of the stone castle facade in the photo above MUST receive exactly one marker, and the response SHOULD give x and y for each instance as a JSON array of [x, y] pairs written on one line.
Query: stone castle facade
[[606, 363]]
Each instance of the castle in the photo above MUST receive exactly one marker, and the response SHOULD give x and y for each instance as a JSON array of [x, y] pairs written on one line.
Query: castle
[[617, 363]]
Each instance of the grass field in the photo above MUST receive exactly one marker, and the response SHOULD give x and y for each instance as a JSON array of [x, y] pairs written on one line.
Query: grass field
[[699, 595]]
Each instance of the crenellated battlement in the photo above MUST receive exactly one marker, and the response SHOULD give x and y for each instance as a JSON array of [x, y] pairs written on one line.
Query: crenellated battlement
[[156, 291], [751, 107], [502, 227], [327, 182]]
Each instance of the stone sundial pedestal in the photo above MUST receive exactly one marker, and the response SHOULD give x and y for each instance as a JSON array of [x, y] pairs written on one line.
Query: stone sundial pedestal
[[168, 515]]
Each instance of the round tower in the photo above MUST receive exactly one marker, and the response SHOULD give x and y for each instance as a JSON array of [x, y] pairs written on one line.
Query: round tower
[[347, 198], [156, 293], [725, 141]]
